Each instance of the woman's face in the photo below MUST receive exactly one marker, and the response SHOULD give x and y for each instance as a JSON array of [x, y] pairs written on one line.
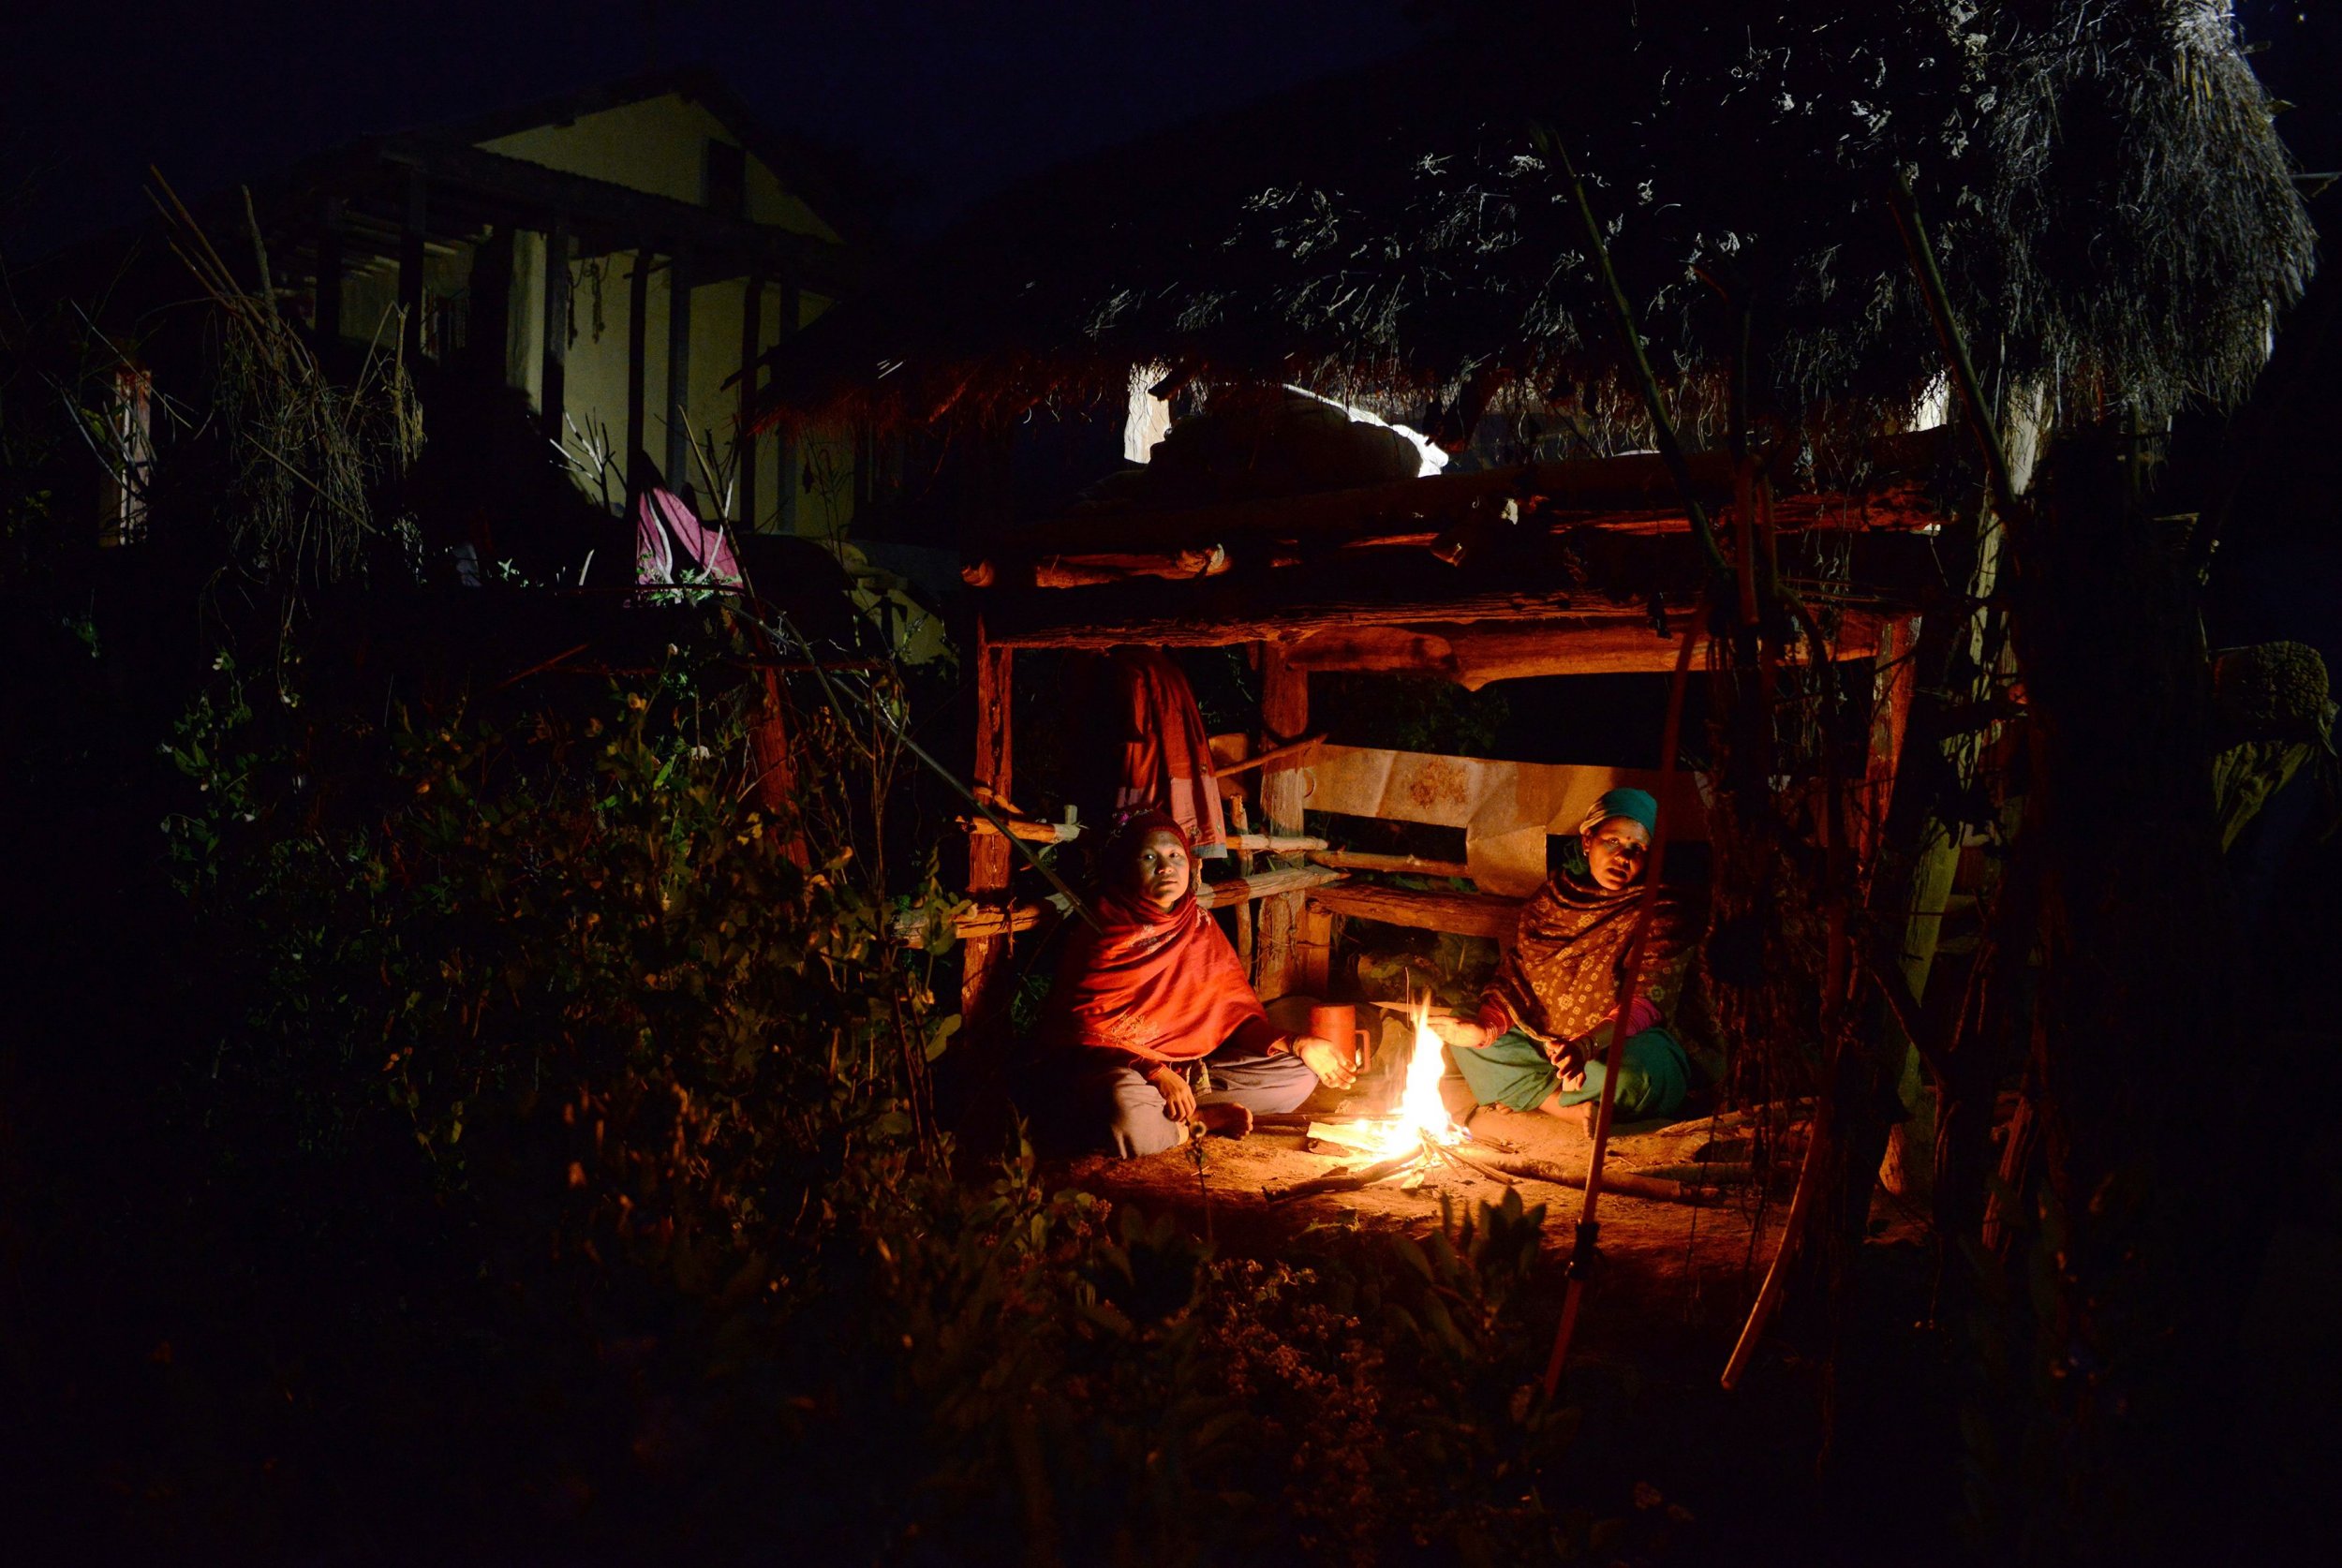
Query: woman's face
[[1616, 848], [1161, 870]]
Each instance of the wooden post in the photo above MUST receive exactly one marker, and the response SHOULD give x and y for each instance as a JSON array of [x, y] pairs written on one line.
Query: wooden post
[[1313, 951], [488, 318], [1910, 1143], [679, 372], [983, 983], [792, 306], [1240, 824], [744, 438], [552, 366], [328, 316], [637, 355], [1285, 713], [410, 236], [1892, 668], [777, 769]]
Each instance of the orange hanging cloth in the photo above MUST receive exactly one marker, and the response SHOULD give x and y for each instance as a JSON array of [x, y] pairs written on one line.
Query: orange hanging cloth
[[1167, 756]]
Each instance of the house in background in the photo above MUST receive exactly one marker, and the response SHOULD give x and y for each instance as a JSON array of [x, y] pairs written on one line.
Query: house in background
[[617, 254], [620, 254]]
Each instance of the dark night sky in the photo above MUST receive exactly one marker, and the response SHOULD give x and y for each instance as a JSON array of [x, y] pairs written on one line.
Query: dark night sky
[[954, 97]]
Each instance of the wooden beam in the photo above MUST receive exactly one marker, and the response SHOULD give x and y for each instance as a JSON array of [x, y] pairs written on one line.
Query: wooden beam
[[1900, 466], [986, 930], [1464, 914], [553, 364], [1026, 828], [1608, 641], [1265, 884], [678, 459], [1404, 865], [1090, 569], [1066, 572], [1275, 843], [1280, 606], [1066, 832], [1532, 577], [1286, 756], [995, 922]]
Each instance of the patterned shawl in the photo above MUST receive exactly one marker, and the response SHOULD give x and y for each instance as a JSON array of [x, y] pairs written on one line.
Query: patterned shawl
[[1160, 983], [1562, 976]]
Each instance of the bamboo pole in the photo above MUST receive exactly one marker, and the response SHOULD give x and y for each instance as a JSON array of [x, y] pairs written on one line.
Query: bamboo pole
[[1815, 1168], [1630, 974], [1406, 865], [1907, 214], [1623, 315], [1664, 1190]]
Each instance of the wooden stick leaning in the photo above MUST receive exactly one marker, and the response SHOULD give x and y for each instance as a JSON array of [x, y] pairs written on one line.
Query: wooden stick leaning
[[1630, 976], [1274, 754], [1811, 1170]]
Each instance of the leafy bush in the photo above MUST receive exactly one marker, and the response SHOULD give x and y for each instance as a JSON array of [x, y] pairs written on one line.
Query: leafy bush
[[667, 1082], [563, 933]]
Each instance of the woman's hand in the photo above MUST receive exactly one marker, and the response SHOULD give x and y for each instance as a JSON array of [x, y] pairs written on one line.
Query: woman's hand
[[1179, 1094], [1327, 1060], [1458, 1032]]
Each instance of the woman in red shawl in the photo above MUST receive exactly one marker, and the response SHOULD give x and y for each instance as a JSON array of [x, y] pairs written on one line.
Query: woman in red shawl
[[1153, 1019]]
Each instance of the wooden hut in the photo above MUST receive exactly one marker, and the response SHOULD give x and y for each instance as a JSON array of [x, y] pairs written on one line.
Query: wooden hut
[[1407, 241]]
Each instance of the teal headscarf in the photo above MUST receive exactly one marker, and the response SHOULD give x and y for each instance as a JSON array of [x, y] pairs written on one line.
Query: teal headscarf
[[1634, 805]]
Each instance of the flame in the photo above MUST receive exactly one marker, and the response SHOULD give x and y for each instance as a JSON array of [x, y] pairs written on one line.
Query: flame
[[1421, 1114]]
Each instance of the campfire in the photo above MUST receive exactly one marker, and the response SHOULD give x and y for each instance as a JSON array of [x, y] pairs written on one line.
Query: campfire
[[1415, 1138]]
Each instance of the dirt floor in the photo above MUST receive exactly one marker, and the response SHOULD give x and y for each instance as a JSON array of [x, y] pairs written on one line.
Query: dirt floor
[[1667, 1297], [1695, 1263]]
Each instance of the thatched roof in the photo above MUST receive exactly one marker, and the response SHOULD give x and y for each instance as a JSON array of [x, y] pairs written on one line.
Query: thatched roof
[[2115, 214]]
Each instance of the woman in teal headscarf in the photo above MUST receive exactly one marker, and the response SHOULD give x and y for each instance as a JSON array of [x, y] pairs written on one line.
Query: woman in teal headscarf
[[1545, 1020]]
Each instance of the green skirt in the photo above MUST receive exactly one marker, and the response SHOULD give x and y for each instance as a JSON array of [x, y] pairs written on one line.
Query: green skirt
[[1654, 1076]]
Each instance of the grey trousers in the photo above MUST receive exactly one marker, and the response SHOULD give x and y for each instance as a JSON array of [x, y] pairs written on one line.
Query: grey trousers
[[1122, 1112]]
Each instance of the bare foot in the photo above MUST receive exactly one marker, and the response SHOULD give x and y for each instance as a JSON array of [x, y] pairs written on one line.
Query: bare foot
[[1224, 1121], [1579, 1115]]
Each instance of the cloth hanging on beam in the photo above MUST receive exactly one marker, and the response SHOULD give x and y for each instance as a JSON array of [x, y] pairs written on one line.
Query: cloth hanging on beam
[[1166, 756]]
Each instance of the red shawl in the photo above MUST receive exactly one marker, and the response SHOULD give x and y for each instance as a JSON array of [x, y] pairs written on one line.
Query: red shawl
[[1159, 984]]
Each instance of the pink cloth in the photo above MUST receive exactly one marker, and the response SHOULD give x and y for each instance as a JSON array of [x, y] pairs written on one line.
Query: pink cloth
[[669, 535]]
